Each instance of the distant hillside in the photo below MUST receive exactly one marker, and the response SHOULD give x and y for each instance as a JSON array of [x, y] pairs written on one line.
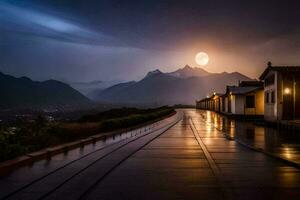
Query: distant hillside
[[109, 92], [159, 88], [25, 93]]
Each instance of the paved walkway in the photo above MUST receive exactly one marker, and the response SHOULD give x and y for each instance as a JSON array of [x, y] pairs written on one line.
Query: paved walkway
[[193, 160], [190, 160]]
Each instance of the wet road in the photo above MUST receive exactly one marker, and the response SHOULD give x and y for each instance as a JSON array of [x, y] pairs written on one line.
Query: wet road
[[281, 143], [190, 159]]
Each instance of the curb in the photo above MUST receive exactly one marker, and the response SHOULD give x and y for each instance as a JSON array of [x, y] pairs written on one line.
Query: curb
[[28, 159], [14, 163]]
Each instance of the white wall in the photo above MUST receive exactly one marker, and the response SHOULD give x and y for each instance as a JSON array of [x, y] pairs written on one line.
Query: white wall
[[270, 109], [239, 104]]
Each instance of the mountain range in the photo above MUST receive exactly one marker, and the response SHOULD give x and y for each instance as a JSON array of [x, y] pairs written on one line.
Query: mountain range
[[25, 93], [182, 86]]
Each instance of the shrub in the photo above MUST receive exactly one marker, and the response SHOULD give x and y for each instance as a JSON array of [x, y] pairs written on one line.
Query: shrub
[[132, 120]]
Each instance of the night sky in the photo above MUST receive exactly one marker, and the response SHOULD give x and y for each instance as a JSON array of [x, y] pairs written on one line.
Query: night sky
[[85, 40]]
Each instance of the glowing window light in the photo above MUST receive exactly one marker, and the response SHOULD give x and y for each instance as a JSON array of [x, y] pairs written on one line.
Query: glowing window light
[[287, 91]]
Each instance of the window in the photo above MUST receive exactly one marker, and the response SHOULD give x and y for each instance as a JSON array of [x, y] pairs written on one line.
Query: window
[[267, 97], [250, 101], [273, 97]]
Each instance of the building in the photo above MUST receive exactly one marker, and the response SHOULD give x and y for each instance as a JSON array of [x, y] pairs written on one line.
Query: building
[[282, 92], [213, 102], [205, 103], [245, 99], [217, 101]]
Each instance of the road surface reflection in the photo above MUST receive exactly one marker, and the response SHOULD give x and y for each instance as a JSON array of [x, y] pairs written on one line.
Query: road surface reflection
[[279, 142]]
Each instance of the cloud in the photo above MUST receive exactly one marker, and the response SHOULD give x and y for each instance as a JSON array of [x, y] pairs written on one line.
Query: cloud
[[27, 21]]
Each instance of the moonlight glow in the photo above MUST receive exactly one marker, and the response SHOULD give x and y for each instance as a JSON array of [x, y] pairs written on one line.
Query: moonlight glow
[[202, 58]]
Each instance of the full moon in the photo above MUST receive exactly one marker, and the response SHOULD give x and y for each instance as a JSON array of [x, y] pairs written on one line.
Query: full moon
[[202, 58]]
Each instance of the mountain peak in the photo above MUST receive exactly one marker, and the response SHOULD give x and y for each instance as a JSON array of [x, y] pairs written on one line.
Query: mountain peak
[[187, 67], [153, 73], [188, 71]]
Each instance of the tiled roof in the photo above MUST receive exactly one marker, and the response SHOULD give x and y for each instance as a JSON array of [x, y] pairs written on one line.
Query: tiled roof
[[240, 90], [251, 83], [279, 68]]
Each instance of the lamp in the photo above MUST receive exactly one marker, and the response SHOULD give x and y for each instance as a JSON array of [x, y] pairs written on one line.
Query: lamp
[[287, 91]]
